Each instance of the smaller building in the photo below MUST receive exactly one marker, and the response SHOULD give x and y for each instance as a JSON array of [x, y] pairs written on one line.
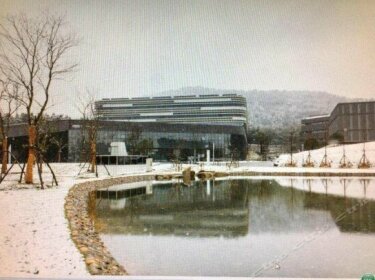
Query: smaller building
[[315, 127], [350, 122], [353, 122]]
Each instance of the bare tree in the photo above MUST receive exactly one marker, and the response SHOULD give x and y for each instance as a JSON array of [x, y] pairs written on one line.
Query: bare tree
[[52, 138], [60, 144], [90, 126], [8, 107], [33, 55]]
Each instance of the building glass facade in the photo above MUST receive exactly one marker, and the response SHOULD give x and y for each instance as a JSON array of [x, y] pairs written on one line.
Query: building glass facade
[[165, 128], [169, 141], [209, 109], [165, 141]]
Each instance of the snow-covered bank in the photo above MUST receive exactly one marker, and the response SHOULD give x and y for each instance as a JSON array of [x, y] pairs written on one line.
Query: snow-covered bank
[[34, 234], [353, 153]]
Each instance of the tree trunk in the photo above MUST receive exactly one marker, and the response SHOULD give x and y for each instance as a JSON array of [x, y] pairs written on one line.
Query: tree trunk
[[31, 156], [4, 165], [59, 156], [39, 167], [41, 164], [93, 156]]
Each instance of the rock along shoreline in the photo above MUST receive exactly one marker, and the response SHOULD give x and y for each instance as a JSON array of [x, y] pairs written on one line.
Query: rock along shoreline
[[98, 259]]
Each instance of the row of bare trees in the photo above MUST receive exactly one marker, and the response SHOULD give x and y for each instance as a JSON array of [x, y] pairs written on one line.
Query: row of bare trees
[[34, 54]]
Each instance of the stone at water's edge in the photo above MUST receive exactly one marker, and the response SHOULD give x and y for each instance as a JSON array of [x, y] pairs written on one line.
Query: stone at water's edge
[[221, 174], [77, 210], [163, 177], [205, 174], [186, 176]]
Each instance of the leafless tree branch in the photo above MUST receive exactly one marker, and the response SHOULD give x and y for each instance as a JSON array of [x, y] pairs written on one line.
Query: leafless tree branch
[[33, 55]]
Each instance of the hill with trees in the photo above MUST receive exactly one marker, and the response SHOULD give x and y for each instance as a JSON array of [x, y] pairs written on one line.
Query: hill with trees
[[275, 108]]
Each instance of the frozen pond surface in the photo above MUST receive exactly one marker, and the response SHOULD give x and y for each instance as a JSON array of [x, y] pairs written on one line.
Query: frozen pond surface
[[242, 227]]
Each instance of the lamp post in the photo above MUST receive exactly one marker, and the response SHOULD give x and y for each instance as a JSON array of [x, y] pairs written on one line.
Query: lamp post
[[207, 146], [213, 152], [291, 147], [10, 152]]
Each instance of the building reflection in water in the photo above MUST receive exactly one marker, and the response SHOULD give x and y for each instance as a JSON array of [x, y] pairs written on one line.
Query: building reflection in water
[[235, 208]]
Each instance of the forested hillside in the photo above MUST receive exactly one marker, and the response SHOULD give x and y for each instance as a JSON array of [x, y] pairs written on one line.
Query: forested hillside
[[274, 108]]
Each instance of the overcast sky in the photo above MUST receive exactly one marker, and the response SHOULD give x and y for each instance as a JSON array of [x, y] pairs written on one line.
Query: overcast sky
[[132, 48]]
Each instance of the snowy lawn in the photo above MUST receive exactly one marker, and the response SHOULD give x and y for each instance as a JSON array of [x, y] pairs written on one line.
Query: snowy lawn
[[353, 153], [34, 236]]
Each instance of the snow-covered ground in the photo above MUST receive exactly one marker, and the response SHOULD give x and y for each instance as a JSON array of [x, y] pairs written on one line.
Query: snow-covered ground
[[34, 233], [353, 153]]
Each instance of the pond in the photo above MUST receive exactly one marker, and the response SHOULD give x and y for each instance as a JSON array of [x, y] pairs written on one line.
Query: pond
[[278, 227]]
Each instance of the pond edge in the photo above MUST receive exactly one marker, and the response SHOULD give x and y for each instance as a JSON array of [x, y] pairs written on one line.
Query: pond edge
[[98, 259]]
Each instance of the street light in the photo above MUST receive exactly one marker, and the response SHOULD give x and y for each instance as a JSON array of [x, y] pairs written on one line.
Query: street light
[[213, 152]]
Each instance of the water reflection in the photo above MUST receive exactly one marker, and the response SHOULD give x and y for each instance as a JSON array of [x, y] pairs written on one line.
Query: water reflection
[[252, 221], [205, 209], [232, 208]]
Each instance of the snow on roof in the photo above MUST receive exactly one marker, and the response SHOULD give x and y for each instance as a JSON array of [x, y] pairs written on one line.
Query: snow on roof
[[317, 117]]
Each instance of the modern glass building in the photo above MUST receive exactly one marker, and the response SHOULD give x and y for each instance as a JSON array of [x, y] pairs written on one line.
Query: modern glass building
[[165, 128], [162, 141], [209, 109]]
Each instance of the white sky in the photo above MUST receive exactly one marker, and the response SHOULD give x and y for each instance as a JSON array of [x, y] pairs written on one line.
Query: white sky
[[132, 48]]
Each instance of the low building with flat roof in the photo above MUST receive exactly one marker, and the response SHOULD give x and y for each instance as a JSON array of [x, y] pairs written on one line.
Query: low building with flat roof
[[315, 127], [166, 141]]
